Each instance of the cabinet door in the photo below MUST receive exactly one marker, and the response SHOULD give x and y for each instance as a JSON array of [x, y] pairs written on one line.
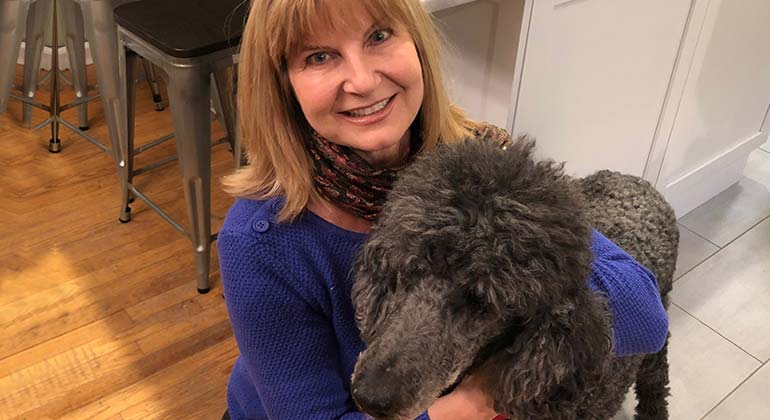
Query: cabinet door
[[594, 80], [721, 114]]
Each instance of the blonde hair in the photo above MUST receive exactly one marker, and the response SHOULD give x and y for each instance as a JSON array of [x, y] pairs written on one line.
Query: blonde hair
[[272, 126]]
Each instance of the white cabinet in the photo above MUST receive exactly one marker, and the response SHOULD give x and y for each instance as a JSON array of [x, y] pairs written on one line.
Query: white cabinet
[[595, 77], [676, 91], [718, 105]]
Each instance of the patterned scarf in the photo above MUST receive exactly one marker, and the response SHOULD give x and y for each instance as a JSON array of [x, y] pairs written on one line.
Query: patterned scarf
[[346, 179], [349, 181]]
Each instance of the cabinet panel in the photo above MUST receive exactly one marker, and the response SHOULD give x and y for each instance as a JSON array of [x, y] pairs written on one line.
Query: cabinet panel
[[727, 94], [595, 78]]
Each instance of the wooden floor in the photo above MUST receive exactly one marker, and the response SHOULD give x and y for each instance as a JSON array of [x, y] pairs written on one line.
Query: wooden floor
[[100, 319]]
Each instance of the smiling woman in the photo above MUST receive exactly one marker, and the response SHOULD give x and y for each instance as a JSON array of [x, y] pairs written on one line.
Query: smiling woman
[[341, 95], [318, 69]]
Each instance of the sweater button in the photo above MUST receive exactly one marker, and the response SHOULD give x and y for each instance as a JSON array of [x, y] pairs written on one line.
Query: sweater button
[[276, 206], [261, 226]]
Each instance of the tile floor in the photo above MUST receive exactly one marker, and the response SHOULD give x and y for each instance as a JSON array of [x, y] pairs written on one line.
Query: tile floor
[[720, 312]]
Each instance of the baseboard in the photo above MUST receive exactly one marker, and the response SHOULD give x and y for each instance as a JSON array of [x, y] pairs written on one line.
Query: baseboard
[[706, 181], [64, 61]]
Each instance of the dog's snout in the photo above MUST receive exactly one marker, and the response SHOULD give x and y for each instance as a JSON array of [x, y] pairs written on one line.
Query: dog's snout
[[375, 393], [374, 401]]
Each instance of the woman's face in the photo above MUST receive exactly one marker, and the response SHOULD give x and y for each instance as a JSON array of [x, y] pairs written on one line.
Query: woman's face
[[360, 85]]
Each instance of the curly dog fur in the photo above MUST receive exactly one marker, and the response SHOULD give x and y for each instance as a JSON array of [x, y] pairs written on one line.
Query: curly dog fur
[[478, 264]]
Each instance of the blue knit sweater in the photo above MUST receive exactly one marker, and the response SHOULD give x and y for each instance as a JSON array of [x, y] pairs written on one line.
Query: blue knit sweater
[[287, 288]]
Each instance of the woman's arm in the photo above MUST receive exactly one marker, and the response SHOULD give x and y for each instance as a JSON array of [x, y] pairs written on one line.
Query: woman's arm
[[639, 321], [287, 345]]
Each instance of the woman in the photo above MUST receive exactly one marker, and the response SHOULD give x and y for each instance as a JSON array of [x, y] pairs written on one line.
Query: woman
[[336, 96]]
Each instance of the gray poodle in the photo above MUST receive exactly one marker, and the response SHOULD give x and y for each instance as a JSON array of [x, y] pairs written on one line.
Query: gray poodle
[[479, 264]]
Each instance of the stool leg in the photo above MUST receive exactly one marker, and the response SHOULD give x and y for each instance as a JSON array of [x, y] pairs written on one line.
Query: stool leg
[[189, 97], [127, 65], [130, 113], [216, 104], [54, 145], [76, 49], [224, 88], [13, 18], [102, 36], [152, 80], [40, 17]]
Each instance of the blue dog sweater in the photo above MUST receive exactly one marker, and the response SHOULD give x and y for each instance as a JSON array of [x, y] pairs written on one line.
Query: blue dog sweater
[[287, 288]]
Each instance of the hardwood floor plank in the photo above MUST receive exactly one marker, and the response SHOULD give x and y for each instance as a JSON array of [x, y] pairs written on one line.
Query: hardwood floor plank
[[181, 329], [199, 397], [205, 407], [78, 337], [88, 306], [91, 391], [119, 330], [54, 276], [146, 308], [31, 391], [34, 275], [23, 310], [184, 383]]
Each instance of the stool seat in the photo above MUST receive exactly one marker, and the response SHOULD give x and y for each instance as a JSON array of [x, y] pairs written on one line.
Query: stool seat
[[185, 28]]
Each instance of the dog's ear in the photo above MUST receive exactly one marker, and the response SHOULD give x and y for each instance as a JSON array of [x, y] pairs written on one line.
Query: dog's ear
[[540, 374], [374, 280]]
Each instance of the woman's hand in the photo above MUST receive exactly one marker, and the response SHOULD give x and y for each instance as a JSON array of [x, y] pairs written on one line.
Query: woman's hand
[[466, 402]]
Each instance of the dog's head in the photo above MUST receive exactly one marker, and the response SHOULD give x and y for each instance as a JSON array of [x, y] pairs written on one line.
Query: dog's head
[[478, 262]]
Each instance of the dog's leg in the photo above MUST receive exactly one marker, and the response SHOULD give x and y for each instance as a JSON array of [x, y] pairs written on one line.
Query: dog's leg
[[652, 386]]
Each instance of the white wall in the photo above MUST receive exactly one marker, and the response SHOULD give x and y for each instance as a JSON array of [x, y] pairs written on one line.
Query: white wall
[[725, 98]]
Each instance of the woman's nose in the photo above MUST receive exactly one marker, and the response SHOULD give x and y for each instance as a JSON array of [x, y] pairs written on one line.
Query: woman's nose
[[361, 76]]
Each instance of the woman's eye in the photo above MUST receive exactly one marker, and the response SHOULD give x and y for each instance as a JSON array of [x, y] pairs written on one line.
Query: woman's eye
[[381, 35], [318, 58]]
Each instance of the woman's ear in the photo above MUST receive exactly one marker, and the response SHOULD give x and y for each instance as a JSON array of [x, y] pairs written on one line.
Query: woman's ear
[[540, 374]]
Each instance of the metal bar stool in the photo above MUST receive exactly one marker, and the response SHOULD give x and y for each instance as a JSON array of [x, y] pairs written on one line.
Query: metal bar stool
[[101, 31], [40, 17], [94, 18], [13, 22], [188, 40], [75, 40], [27, 20], [30, 18], [17, 18]]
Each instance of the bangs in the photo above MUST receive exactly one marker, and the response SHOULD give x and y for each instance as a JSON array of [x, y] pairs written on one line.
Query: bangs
[[295, 21]]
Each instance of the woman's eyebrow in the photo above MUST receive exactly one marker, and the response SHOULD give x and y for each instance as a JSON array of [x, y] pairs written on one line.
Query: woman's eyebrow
[[306, 48]]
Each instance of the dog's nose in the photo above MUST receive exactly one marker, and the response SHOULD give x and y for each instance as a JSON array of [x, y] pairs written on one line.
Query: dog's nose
[[374, 400]]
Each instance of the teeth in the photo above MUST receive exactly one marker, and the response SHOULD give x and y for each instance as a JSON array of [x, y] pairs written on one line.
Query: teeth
[[369, 111]]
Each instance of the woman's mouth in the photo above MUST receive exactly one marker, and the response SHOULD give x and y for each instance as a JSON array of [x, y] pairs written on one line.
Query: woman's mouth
[[370, 114]]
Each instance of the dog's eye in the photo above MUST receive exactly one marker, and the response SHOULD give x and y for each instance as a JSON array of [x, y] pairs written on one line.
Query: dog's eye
[[475, 296], [469, 300]]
